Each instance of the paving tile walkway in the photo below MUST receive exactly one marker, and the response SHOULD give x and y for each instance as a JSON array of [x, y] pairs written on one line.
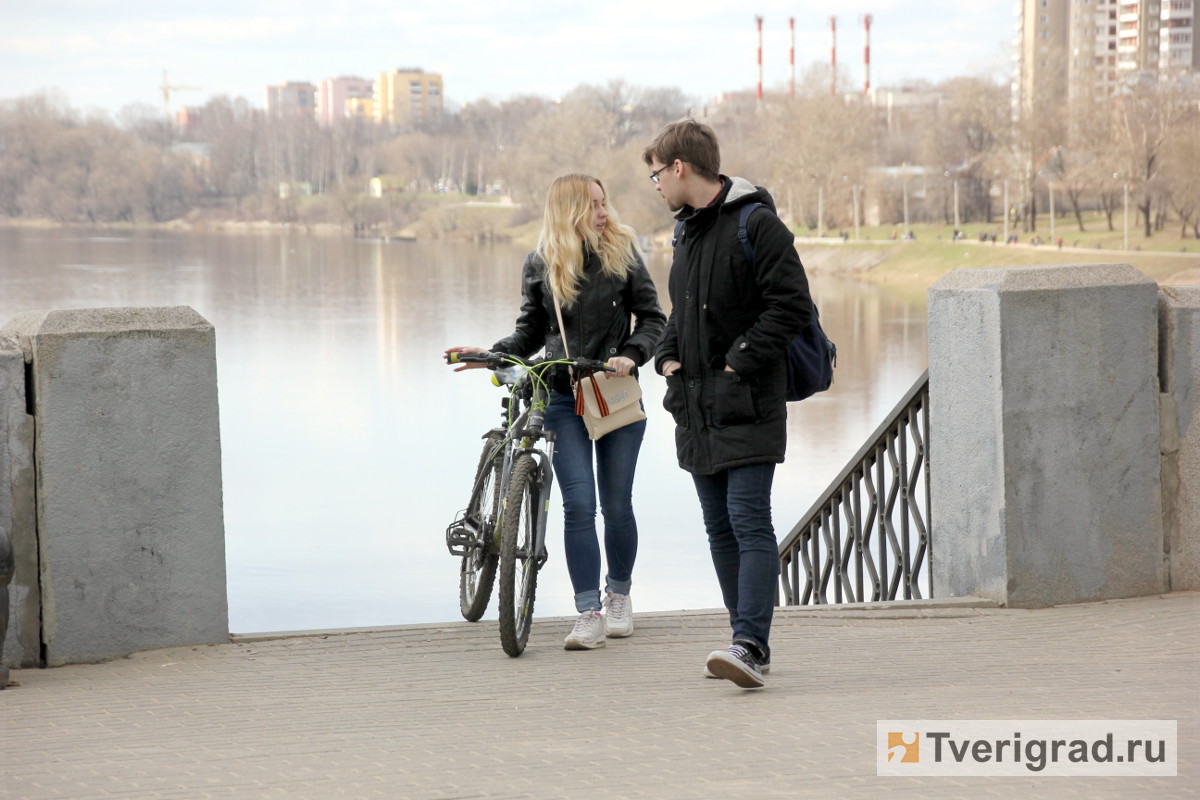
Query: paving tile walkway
[[438, 711]]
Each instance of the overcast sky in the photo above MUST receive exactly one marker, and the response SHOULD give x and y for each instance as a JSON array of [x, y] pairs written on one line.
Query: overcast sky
[[111, 53]]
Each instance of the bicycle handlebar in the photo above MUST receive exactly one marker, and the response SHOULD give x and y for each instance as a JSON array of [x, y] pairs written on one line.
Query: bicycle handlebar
[[498, 360], [493, 360]]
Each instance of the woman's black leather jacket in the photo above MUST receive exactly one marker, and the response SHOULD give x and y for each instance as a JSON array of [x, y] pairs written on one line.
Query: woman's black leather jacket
[[610, 317]]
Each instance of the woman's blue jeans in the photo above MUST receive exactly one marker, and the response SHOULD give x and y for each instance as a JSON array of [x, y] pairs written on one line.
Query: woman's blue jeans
[[616, 456], [736, 505]]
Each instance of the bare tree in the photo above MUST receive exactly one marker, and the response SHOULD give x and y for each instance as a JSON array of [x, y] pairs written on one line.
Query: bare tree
[[1181, 180], [977, 116], [1145, 118]]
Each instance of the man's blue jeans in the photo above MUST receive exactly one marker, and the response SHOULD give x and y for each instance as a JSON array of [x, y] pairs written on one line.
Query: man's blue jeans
[[736, 504], [615, 460]]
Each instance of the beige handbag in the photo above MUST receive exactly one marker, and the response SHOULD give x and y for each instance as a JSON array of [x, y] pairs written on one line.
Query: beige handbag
[[605, 404]]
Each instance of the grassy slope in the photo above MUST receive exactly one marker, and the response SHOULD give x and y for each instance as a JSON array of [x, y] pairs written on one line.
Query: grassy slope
[[914, 265]]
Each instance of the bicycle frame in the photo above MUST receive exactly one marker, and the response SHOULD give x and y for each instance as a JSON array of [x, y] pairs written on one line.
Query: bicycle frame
[[510, 535], [521, 435]]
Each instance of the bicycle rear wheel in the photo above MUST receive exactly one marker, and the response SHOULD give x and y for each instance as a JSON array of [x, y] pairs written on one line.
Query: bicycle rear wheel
[[518, 559], [477, 573]]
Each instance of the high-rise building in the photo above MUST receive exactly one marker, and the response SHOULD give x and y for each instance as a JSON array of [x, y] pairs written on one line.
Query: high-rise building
[[1177, 41], [334, 96], [1040, 78], [1082, 51], [405, 97], [291, 98], [1093, 43]]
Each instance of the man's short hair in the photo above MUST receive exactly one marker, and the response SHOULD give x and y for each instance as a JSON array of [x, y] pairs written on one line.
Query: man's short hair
[[690, 141]]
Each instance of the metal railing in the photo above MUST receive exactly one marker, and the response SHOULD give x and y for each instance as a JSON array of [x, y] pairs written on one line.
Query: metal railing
[[841, 552]]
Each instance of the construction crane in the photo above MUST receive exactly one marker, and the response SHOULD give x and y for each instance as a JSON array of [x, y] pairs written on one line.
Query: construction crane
[[167, 88]]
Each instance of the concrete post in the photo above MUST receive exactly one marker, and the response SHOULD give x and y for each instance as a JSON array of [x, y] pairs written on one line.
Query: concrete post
[[20, 613], [1179, 319], [130, 535], [1045, 483]]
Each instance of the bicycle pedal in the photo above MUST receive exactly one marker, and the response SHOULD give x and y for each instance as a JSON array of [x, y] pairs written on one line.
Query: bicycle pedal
[[460, 536]]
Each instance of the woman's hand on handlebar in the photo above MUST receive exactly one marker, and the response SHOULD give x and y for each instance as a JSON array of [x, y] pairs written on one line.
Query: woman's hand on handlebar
[[450, 352], [620, 365]]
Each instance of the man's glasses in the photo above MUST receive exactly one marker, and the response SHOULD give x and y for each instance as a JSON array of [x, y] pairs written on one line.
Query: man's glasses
[[654, 175]]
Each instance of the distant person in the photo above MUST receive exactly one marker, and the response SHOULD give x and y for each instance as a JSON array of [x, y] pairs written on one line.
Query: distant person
[[591, 262], [723, 358]]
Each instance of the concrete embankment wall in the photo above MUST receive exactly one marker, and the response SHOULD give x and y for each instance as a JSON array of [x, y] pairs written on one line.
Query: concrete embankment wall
[[1179, 326], [1055, 477], [111, 474], [1064, 449]]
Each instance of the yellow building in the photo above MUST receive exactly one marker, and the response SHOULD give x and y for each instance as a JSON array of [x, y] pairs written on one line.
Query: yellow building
[[406, 97], [386, 184], [360, 108]]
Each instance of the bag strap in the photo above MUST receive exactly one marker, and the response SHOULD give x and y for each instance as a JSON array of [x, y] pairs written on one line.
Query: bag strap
[[601, 403], [743, 235], [678, 233], [562, 329], [558, 313]]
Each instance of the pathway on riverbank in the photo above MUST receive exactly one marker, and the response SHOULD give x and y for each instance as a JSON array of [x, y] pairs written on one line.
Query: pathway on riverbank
[[438, 711]]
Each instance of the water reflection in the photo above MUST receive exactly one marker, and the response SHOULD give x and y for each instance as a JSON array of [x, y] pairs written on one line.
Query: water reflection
[[347, 445]]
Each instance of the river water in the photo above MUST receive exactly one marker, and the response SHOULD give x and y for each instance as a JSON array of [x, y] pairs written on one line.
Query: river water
[[348, 446]]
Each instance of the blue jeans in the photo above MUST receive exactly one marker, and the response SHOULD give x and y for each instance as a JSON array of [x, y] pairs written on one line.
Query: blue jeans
[[736, 504], [615, 459]]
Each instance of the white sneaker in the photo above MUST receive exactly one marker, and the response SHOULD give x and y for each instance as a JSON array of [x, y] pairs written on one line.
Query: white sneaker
[[618, 615], [588, 633]]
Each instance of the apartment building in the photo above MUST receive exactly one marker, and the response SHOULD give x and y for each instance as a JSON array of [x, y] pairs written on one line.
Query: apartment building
[[1082, 51], [1094, 51], [407, 96], [1178, 51], [291, 99], [1040, 55], [340, 98]]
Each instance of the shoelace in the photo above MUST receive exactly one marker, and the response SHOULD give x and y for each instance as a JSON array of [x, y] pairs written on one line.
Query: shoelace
[[585, 622], [617, 604], [741, 653]]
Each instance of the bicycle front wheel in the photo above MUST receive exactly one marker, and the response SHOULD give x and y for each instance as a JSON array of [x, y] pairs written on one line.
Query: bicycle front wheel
[[477, 573], [518, 557]]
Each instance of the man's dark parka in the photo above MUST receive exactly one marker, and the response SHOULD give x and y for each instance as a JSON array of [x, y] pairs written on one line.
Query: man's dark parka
[[727, 311]]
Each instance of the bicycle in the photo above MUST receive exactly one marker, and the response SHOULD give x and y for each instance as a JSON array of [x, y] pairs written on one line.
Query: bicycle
[[504, 523]]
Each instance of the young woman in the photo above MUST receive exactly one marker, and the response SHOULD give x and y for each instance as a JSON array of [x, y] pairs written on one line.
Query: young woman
[[591, 263]]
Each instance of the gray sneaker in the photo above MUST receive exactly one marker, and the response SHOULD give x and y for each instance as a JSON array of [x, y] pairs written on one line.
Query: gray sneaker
[[618, 615], [738, 664], [588, 633]]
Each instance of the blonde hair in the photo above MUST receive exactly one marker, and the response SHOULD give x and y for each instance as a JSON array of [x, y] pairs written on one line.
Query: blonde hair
[[566, 229]]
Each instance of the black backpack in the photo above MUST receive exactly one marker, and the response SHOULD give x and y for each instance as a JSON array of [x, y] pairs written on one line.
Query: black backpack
[[811, 357]]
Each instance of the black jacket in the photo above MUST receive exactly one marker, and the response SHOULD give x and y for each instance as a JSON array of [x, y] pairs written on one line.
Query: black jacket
[[727, 311], [598, 323]]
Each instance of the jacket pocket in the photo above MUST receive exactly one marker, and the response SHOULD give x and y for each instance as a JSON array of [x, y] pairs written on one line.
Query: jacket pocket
[[674, 400], [733, 400]]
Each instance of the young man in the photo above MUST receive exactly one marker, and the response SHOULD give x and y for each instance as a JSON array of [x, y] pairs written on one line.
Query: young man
[[723, 357]]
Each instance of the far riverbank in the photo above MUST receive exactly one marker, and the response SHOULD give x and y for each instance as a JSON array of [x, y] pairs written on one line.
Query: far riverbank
[[907, 265]]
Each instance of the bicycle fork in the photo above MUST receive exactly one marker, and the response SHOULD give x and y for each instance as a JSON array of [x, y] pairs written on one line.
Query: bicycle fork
[[546, 473]]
